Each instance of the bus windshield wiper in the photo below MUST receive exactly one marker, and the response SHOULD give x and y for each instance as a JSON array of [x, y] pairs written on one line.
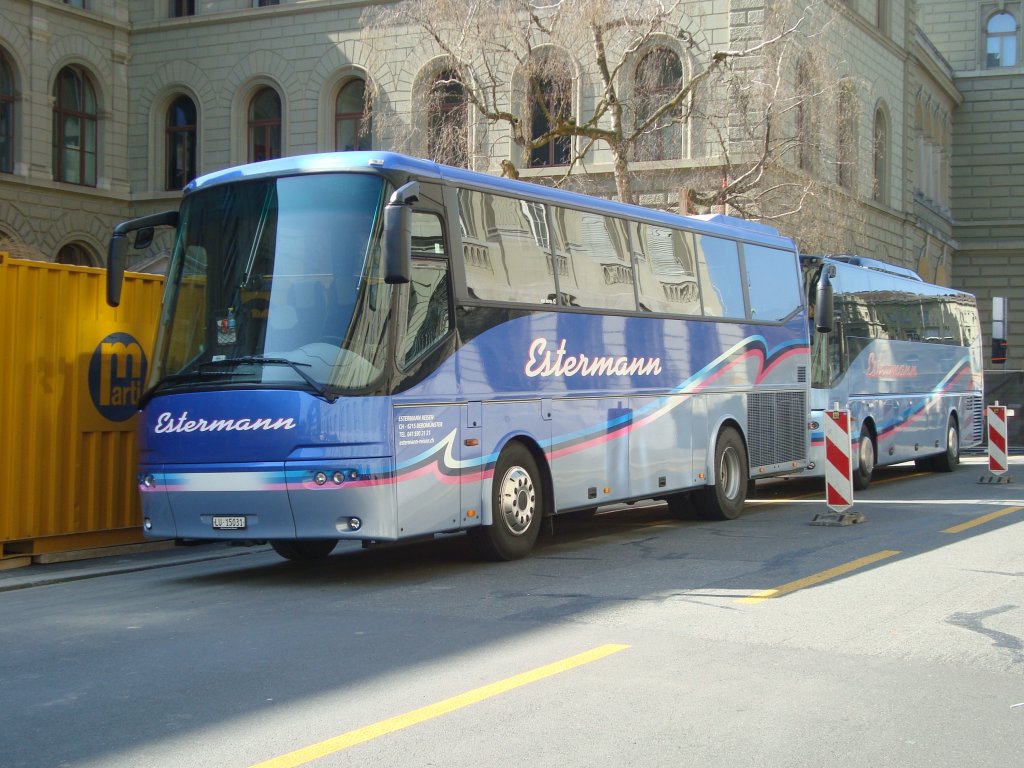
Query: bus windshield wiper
[[317, 389]]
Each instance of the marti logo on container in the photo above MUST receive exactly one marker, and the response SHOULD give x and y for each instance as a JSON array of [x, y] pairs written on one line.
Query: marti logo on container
[[117, 373]]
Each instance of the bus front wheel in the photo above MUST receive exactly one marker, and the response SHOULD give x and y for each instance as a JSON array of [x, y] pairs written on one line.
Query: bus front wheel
[[864, 467], [304, 549], [725, 499], [517, 506]]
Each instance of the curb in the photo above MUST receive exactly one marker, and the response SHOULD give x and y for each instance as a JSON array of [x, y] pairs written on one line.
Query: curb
[[113, 563]]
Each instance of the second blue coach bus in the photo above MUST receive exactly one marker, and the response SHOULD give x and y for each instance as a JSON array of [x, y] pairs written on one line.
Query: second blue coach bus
[[905, 357], [374, 347]]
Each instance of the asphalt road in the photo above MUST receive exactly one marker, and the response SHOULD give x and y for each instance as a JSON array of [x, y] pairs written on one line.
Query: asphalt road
[[630, 639]]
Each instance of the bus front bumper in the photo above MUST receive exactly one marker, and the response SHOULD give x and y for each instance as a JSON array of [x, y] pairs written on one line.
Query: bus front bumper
[[293, 500]]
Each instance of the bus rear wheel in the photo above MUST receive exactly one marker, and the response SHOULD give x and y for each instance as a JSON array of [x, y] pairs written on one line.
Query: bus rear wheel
[[948, 460], [517, 506], [304, 549], [725, 499]]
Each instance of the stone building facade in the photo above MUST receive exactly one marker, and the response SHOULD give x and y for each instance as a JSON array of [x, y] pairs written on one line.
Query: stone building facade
[[107, 106]]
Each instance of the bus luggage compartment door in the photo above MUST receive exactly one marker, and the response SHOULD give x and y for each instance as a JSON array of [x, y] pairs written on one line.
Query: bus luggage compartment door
[[432, 461]]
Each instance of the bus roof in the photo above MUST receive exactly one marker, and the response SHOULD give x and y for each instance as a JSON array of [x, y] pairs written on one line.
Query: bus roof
[[398, 167]]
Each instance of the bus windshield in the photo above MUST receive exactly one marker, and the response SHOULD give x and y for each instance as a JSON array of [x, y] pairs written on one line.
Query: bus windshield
[[277, 283]]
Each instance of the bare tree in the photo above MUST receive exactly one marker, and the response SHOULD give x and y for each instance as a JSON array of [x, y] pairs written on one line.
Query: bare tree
[[577, 84]]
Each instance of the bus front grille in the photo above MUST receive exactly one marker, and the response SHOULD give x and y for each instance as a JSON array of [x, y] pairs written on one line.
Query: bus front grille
[[977, 407]]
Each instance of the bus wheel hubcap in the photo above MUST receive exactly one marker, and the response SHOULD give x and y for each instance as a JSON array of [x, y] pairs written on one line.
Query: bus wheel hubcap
[[517, 500]]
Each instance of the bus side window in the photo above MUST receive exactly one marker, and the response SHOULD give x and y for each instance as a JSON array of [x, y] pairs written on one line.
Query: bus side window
[[507, 249], [772, 282], [721, 286]]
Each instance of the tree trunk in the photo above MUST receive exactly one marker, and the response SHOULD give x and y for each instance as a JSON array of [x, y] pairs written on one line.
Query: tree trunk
[[622, 182]]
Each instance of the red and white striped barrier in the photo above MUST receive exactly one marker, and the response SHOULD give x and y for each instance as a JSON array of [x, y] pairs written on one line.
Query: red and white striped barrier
[[838, 461], [997, 461]]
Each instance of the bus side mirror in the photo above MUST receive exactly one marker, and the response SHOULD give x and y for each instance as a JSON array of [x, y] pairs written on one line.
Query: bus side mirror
[[824, 303], [398, 234], [115, 267], [118, 248]]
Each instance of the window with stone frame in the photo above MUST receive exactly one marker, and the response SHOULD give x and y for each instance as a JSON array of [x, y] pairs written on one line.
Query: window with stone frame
[[1001, 38], [265, 125], [179, 8], [880, 155], [447, 121], [7, 104], [181, 134], [550, 98], [658, 78], [75, 127], [353, 123]]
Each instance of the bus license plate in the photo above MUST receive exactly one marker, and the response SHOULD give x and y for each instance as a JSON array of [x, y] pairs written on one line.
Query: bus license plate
[[228, 523]]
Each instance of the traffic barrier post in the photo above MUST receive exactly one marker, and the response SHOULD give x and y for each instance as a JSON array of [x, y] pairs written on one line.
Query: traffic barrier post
[[998, 459], [838, 471]]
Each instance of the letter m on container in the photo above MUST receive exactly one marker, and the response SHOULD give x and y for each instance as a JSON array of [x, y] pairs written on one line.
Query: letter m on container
[[117, 374]]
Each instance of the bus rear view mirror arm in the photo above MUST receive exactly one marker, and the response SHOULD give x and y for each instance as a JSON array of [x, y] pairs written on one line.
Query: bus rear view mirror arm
[[398, 233], [118, 247]]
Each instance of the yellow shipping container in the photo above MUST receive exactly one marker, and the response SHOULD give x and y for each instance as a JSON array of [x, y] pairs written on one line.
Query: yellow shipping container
[[71, 372]]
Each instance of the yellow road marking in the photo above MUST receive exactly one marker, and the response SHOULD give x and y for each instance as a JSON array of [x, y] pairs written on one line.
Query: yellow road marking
[[982, 520], [817, 578], [431, 711]]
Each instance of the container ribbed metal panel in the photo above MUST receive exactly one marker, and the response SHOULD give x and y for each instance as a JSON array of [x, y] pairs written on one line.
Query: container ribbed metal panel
[[776, 427], [67, 475]]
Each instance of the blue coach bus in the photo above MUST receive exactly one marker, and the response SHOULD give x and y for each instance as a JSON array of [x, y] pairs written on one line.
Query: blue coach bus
[[904, 356], [374, 347]]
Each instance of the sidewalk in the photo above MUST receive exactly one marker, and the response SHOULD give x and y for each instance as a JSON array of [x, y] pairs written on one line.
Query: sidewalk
[[132, 559]]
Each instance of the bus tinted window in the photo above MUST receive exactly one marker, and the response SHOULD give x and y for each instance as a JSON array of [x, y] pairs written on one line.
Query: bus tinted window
[[720, 282], [428, 313], [771, 283], [507, 249], [598, 271], [666, 270]]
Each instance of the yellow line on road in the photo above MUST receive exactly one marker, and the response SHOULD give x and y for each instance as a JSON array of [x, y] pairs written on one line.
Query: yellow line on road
[[431, 711], [817, 578], [982, 520]]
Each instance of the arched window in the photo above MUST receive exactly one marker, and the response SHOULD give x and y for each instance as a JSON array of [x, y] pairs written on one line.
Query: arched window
[[447, 126], [6, 116], [846, 137], [75, 254], [880, 153], [549, 101], [353, 125], [659, 76], [265, 125], [1001, 41], [75, 128], [181, 142]]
